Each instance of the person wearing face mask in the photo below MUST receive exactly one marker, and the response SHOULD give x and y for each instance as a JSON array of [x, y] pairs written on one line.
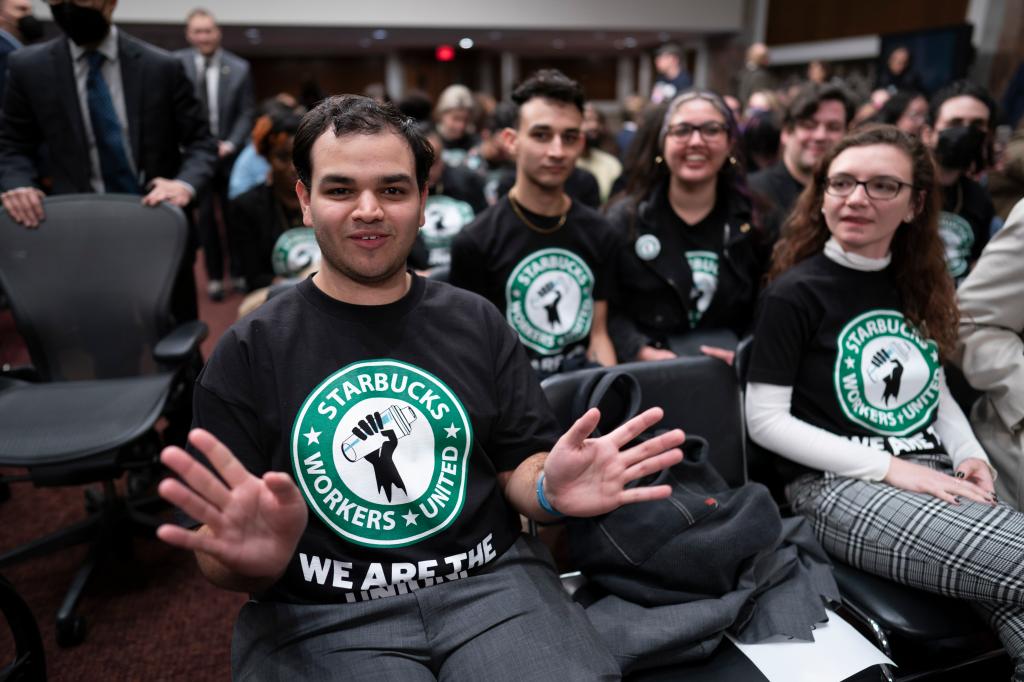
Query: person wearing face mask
[[18, 26], [691, 262], [116, 115], [959, 121]]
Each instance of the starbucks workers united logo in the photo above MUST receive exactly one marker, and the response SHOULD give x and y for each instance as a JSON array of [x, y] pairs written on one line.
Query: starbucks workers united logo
[[886, 375], [380, 451], [549, 299], [958, 238]]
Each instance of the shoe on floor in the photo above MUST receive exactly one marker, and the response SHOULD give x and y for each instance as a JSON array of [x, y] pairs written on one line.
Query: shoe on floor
[[215, 290]]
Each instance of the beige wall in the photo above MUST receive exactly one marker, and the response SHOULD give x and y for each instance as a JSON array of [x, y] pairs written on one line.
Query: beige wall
[[691, 15]]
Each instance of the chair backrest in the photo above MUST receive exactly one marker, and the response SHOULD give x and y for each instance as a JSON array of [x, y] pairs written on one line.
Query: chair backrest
[[698, 394], [90, 288], [763, 466]]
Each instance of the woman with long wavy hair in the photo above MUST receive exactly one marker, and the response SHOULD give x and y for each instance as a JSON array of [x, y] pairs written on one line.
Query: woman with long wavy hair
[[845, 383], [691, 263]]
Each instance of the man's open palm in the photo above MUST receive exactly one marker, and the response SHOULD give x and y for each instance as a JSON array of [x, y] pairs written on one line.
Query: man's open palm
[[251, 525], [587, 476]]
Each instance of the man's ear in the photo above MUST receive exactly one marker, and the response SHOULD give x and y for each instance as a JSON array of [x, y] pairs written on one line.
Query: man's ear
[[303, 193], [784, 136], [423, 204], [509, 138]]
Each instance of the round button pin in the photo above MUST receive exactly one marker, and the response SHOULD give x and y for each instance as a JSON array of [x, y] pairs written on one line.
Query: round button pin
[[647, 247]]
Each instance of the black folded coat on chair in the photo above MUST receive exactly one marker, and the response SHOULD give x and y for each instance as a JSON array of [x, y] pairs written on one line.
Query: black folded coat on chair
[[680, 572]]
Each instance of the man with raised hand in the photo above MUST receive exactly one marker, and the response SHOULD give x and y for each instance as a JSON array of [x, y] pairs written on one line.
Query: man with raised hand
[[404, 414]]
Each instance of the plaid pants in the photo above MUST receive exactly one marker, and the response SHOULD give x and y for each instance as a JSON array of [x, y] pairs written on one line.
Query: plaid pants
[[971, 551]]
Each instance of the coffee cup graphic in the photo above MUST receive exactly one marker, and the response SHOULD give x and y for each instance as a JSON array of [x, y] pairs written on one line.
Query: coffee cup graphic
[[397, 418], [896, 350]]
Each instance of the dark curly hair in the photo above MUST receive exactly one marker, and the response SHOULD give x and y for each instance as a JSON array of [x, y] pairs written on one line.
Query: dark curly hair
[[549, 84], [357, 115], [650, 171], [918, 257]]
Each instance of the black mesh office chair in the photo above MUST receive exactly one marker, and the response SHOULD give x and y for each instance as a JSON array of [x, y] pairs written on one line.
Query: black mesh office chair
[[29, 658], [936, 633], [90, 290]]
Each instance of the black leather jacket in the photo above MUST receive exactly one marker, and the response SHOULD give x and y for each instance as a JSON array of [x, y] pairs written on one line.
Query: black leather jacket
[[651, 298]]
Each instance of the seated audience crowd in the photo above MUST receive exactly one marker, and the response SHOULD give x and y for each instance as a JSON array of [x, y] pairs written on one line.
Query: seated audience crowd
[[416, 268]]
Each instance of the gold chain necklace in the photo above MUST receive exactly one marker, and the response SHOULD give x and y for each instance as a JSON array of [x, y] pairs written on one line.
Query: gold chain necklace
[[526, 221]]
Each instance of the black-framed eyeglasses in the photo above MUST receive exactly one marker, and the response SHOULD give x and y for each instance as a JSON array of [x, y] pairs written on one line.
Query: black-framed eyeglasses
[[880, 187], [711, 130]]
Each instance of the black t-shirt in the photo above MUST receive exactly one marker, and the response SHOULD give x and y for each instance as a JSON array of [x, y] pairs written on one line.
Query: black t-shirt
[[462, 184], [459, 151], [581, 185], [445, 217], [701, 245], [857, 368], [291, 388], [964, 224], [545, 284], [258, 218], [778, 191]]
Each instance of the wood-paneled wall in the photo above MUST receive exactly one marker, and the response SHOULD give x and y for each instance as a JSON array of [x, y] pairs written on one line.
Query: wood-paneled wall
[[798, 21]]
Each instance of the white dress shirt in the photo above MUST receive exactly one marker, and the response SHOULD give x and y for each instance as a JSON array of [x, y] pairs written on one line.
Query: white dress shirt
[[212, 86]]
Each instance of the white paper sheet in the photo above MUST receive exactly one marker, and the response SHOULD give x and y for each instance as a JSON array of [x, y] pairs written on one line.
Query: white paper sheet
[[837, 652]]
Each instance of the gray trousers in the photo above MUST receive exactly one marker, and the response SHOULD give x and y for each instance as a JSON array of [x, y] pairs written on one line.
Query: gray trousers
[[971, 551], [511, 622]]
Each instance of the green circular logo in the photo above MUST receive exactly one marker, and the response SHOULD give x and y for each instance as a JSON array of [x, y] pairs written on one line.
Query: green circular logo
[[380, 451], [294, 251], [958, 237], [549, 300], [444, 217], [704, 266], [886, 375]]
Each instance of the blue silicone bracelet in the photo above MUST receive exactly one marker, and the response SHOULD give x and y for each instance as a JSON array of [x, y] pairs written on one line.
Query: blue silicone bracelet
[[543, 501]]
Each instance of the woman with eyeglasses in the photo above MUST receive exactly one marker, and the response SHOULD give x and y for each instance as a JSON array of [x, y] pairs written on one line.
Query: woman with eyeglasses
[[907, 110], [845, 382], [692, 260]]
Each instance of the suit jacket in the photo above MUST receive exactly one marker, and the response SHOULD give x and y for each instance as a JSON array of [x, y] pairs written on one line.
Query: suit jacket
[[236, 103], [6, 48], [168, 135], [991, 351]]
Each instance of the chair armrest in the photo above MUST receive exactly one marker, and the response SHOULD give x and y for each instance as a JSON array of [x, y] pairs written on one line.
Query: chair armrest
[[20, 373], [181, 342]]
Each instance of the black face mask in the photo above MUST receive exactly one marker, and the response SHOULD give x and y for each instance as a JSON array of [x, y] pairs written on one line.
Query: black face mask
[[30, 28], [960, 148], [84, 25]]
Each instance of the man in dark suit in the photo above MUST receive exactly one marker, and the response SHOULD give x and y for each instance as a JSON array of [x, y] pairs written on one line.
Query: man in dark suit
[[224, 84], [115, 115]]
